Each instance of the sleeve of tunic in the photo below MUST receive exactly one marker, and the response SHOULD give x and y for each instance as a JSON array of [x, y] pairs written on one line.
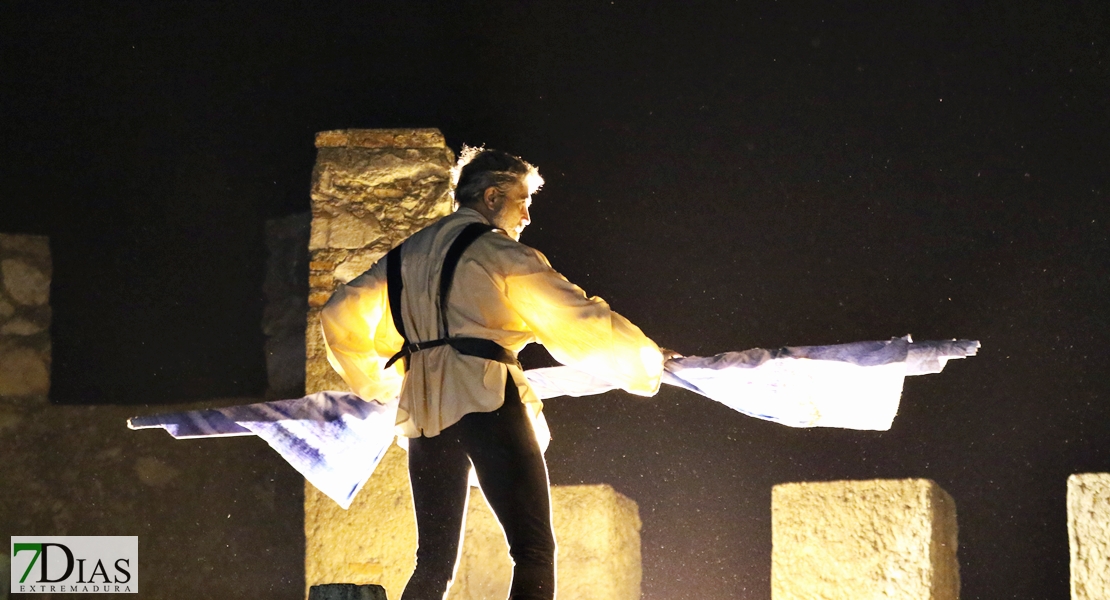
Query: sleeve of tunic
[[580, 331], [360, 337]]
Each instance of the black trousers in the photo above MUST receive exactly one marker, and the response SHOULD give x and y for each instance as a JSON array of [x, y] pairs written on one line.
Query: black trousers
[[511, 470]]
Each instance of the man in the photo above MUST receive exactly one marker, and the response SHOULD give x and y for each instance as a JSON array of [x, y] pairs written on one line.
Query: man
[[469, 298]]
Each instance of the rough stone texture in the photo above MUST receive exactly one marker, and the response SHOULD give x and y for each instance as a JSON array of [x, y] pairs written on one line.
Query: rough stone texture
[[25, 271], [371, 189], [859, 540], [1089, 535], [25, 283], [215, 519], [285, 289], [598, 532], [372, 542]]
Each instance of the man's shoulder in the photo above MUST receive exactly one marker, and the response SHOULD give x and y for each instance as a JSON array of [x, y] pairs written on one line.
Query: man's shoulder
[[494, 248], [497, 247], [424, 240]]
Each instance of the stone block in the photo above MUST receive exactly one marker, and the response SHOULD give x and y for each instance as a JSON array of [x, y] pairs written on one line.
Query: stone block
[[1089, 535], [851, 540], [24, 283], [381, 138], [25, 272], [23, 372], [346, 591], [374, 541], [598, 534]]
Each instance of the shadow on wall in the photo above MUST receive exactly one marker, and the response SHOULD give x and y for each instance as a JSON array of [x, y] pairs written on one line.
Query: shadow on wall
[[285, 290]]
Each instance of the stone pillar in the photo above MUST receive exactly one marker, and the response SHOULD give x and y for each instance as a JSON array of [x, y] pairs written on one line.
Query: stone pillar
[[25, 272], [370, 190], [893, 539], [1089, 535]]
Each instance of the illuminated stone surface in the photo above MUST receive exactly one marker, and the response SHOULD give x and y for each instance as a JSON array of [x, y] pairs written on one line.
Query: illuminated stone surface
[[1089, 535], [372, 542], [857, 540], [371, 189], [598, 533], [25, 270]]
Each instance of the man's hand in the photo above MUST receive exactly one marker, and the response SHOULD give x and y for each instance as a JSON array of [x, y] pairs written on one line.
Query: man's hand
[[668, 354]]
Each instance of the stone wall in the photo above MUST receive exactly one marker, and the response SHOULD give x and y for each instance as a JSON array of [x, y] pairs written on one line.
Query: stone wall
[[1089, 535], [25, 271], [215, 519], [845, 540]]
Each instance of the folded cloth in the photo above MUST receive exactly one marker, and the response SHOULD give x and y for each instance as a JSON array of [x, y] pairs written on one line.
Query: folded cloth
[[336, 439], [851, 386]]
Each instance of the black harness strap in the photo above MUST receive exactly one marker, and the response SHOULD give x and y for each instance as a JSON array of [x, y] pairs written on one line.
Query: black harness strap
[[394, 286], [479, 347], [451, 262]]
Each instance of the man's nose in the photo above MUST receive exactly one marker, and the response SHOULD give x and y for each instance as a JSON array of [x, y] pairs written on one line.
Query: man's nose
[[526, 217]]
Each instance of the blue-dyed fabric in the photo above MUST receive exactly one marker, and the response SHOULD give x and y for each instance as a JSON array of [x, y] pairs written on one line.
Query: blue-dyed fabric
[[336, 439]]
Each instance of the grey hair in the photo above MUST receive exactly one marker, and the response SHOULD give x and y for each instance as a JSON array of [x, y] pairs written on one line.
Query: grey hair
[[479, 169]]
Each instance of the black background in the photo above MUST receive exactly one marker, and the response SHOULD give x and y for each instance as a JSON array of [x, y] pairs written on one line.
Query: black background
[[727, 175]]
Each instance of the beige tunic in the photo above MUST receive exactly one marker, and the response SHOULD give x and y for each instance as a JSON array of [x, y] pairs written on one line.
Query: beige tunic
[[503, 291]]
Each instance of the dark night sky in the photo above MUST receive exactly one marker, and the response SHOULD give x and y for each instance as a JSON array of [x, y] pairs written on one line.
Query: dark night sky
[[727, 175]]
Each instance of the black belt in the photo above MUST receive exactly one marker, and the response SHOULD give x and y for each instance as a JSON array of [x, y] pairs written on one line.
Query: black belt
[[482, 348]]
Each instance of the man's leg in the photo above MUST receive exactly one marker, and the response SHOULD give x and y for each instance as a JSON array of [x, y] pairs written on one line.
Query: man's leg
[[438, 471], [511, 469]]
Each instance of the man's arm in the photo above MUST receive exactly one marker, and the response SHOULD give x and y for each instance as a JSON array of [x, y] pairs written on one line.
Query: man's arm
[[582, 332], [360, 337]]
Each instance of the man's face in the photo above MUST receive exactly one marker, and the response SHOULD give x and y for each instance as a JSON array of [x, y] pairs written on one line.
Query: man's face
[[511, 210]]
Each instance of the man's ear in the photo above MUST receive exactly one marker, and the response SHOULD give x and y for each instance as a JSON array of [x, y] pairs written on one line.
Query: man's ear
[[489, 198]]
